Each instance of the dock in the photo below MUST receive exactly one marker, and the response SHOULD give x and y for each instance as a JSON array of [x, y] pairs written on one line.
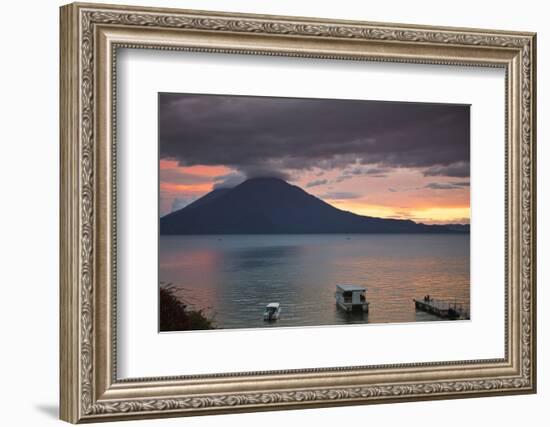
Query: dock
[[446, 309]]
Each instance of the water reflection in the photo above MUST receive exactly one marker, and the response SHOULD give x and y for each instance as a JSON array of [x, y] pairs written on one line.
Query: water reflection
[[262, 257], [353, 317], [236, 276]]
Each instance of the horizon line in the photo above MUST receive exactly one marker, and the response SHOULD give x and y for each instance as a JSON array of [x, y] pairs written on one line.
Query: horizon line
[[313, 195]]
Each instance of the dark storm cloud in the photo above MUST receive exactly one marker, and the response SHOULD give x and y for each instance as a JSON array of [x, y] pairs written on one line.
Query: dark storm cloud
[[340, 195], [377, 172], [342, 178], [262, 170], [316, 183], [230, 180], [270, 136], [446, 185], [366, 171], [459, 169], [373, 172]]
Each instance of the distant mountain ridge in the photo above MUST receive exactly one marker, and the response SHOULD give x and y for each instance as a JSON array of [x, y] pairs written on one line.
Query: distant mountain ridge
[[273, 206]]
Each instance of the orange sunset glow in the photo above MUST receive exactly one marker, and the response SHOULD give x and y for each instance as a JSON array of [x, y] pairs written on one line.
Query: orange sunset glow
[[379, 159], [403, 194]]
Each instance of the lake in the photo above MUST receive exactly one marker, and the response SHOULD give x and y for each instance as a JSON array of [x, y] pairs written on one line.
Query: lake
[[233, 277]]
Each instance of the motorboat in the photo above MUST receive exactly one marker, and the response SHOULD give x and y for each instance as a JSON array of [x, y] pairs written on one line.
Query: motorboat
[[272, 311]]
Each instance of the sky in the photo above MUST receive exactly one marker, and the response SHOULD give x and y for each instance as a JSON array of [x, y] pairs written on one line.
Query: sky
[[384, 159]]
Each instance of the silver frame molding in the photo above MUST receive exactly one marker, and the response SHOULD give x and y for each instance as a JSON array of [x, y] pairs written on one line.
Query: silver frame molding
[[90, 37]]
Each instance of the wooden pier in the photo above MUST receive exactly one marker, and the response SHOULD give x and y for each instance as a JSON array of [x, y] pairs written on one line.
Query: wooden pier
[[445, 309]]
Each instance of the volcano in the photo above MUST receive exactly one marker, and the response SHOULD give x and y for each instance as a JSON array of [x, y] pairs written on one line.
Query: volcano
[[273, 206]]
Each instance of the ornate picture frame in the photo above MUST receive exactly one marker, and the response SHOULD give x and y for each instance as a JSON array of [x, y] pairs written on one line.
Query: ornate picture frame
[[90, 37]]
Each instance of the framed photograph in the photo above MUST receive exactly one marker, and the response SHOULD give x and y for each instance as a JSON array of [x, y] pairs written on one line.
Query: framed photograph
[[265, 213]]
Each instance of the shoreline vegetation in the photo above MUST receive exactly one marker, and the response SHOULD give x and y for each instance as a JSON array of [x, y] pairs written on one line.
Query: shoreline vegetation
[[175, 314]]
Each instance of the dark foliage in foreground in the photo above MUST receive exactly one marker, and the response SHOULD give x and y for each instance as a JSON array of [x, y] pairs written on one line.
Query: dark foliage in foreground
[[175, 314]]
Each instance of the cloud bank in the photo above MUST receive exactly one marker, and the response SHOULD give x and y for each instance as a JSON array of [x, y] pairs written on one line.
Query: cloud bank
[[264, 136]]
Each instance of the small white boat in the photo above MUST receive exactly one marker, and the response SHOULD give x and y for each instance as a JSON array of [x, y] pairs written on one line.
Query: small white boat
[[351, 297], [272, 311]]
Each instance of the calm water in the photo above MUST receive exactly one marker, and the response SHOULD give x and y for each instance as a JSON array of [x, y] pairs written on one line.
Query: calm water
[[234, 277]]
